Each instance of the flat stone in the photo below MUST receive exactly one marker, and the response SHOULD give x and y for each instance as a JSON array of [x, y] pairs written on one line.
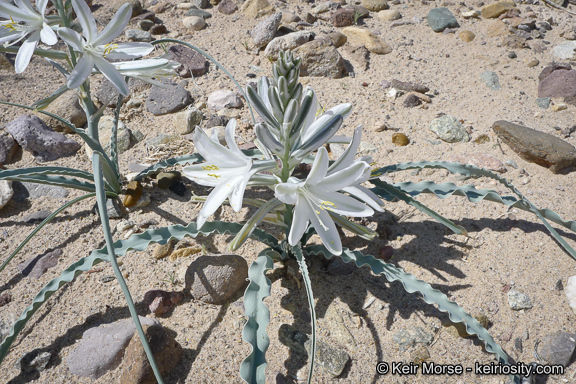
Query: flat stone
[[227, 7], [167, 99], [223, 98], [194, 23], [320, 59], [264, 31], [287, 42], [289, 17], [441, 18], [557, 81], [107, 92], [184, 122], [411, 101], [6, 192], [491, 80], [37, 216], [148, 15], [192, 63], [36, 191], [158, 29], [343, 17], [163, 250], [481, 160], [557, 348], [409, 86], [160, 302], [202, 4], [332, 360], [7, 319], [407, 338], [518, 300], [543, 102], [537, 147], [101, 348], [363, 36], [570, 292], [492, 11], [36, 137], [138, 35], [8, 147], [166, 350], [338, 39], [38, 265], [198, 12], [566, 50], [215, 279], [254, 9], [68, 107], [389, 15], [449, 129], [375, 5]]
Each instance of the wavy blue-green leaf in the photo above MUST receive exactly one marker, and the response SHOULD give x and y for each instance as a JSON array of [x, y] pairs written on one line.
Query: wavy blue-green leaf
[[33, 171], [411, 284], [310, 295], [180, 160], [470, 170], [57, 180], [252, 369], [138, 242], [382, 189]]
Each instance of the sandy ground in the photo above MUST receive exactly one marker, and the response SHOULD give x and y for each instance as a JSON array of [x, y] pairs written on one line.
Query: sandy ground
[[475, 273]]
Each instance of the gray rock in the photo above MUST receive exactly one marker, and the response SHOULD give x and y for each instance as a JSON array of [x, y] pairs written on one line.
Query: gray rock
[[194, 23], [107, 92], [185, 121], [105, 134], [407, 338], [227, 7], [202, 4], [543, 102], [557, 348], [168, 98], [101, 348], [332, 360], [36, 191], [7, 319], [375, 5], [264, 31], [537, 147], [112, 209], [6, 192], [565, 50], [8, 148], [320, 59], [38, 265], [199, 13], [36, 217], [68, 107], [557, 81], [34, 361], [343, 17], [518, 300], [138, 35], [191, 62], [287, 42], [570, 292], [449, 129], [111, 6], [223, 98], [491, 80], [35, 136], [215, 279], [441, 18]]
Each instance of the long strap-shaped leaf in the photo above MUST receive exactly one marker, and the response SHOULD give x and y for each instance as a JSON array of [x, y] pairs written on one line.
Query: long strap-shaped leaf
[[138, 242], [180, 160], [383, 188], [33, 171], [308, 285], [411, 284], [252, 369], [57, 180], [445, 190], [470, 170]]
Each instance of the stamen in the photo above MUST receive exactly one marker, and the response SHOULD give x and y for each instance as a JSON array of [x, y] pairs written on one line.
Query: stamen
[[109, 48], [214, 175], [12, 25], [210, 168]]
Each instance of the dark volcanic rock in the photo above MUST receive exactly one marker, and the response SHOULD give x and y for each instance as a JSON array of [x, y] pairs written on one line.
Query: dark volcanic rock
[[191, 62]]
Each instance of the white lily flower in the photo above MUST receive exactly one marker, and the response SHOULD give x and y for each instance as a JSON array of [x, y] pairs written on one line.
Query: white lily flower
[[147, 70], [24, 20], [97, 47], [318, 194], [226, 169]]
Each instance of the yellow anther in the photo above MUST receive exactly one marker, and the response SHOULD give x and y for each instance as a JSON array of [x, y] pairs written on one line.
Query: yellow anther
[[210, 168], [12, 25], [109, 48], [214, 175]]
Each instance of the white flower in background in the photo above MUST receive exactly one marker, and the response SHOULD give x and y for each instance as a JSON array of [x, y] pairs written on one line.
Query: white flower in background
[[97, 47], [147, 70], [226, 169], [22, 21], [318, 194]]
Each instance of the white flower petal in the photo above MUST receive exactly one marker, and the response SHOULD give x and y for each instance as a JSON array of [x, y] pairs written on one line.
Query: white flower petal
[[237, 194], [341, 204], [6, 35], [26, 7], [366, 196], [127, 51], [41, 6], [299, 221], [115, 26], [212, 175], [214, 200], [287, 192], [214, 152], [47, 35], [326, 229], [112, 74], [25, 52], [319, 168], [85, 19], [349, 154], [7, 10], [72, 38], [81, 71], [229, 134], [348, 176]]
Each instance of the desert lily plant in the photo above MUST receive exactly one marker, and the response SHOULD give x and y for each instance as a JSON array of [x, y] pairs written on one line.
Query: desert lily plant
[[22, 27], [293, 133]]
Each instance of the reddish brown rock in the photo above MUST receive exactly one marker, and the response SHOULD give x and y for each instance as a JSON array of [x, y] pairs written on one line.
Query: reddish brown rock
[[342, 17], [159, 302], [557, 81]]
